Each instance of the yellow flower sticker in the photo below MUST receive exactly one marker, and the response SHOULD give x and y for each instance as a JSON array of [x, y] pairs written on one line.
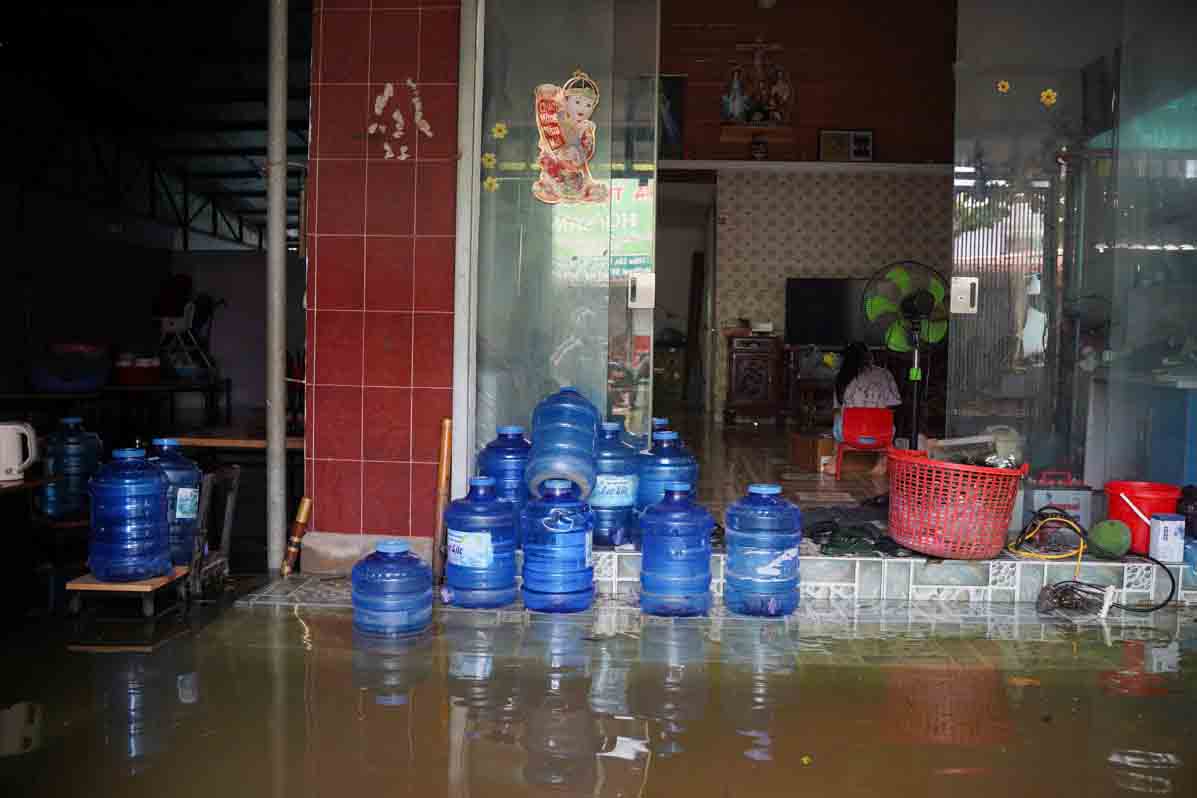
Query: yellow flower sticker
[[489, 160], [1003, 87], [491, 183], [499, 130], [1048, 97]]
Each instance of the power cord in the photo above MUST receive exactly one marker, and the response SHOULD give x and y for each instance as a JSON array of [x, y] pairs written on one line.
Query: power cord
[[1075, 594]]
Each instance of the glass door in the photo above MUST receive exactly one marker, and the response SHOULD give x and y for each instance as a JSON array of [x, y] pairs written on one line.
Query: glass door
[[566, 208]]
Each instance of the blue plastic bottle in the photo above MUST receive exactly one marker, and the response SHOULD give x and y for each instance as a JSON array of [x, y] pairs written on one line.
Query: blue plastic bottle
[[614, 496], [557, 529], [73, 454], [128, 540], [764, 532], [675, 572], [392, 591], [506, 459], [182, 498], [666, 462], [480, 535], [564, 431]]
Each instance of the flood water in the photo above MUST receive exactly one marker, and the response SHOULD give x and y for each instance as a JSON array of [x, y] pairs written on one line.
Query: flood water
[[286, 702]]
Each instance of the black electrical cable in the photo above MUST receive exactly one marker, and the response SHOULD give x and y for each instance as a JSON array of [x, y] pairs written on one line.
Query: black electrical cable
[[1077, 589]]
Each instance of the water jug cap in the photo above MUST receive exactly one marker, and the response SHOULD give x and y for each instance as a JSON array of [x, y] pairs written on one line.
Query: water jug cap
[[611, 426], [70, 420], [677, 486], [164, 442], [664, 435], [558, 484], [511, 429], [392, 546], [128, 454], [764, 490], [482, 482], [660, 422]]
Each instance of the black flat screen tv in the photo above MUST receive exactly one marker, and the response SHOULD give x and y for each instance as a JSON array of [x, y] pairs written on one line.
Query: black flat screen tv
[[826, 312]]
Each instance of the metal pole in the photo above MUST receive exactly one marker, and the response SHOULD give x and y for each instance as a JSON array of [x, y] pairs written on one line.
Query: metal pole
[[276, 291]]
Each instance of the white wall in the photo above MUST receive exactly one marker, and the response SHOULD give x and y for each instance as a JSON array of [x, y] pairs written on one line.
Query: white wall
[[239, 331]]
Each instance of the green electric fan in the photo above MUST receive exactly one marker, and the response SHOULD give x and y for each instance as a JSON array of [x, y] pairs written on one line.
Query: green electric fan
[[909, 300]]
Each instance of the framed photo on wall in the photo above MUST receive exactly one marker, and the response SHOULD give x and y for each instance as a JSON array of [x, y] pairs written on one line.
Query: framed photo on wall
[[845, 145]]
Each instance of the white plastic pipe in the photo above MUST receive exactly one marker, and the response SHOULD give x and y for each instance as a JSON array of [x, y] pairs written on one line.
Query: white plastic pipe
[[276, 291]]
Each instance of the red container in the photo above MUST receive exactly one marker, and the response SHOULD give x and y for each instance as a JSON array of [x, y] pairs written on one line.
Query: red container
[[1149, 497], [948, 510]]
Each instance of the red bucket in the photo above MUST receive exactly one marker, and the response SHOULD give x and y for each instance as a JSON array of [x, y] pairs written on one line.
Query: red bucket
[[1149, 497]]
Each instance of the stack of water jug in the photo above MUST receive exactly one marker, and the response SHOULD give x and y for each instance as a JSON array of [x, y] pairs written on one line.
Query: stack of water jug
[[143, 512], [577, 484]]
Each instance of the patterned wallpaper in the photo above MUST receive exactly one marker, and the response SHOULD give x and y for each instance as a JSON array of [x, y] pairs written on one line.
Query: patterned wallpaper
[[774, 225]]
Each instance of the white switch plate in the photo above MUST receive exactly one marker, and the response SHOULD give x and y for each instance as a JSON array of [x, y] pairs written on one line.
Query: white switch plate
[[963, 298], [642, 291]]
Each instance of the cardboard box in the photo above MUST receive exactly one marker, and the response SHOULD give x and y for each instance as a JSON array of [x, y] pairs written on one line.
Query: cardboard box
[[808, 451]]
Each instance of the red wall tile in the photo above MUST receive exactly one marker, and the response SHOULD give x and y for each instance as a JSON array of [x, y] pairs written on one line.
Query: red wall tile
[[381, 262]]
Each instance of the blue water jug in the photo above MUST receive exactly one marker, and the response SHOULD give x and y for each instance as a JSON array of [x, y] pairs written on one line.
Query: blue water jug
[[73, 455], [666, 462], [564, 431], [675, 571], [659, 424], [480, 538], [764, 532], [506, 459], [614, 497], [392, 591], [557, 529], [128, 540], [182, 497]]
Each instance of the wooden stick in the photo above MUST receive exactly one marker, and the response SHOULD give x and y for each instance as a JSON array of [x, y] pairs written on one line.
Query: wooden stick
[[442, 496], [298, 527]]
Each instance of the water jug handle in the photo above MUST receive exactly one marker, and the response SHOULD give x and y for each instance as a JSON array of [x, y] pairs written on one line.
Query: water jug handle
[[554, 521], [31, 439]]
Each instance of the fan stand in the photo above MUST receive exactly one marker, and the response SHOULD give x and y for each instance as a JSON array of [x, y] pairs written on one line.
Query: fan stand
[[915, 377]]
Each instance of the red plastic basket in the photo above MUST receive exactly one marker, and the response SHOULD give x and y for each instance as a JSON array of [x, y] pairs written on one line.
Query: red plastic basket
[[947, 510]]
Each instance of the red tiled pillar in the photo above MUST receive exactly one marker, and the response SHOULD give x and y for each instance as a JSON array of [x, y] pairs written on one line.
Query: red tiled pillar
[[380, 263]]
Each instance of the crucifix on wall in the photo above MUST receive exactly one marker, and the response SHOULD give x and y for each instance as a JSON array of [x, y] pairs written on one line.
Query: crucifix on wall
[[758, 94]]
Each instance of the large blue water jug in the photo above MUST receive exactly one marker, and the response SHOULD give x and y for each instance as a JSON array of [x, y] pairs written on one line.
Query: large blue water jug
[[392, 591], [128, 538], [506, 459], [614, 497], [73, 455], [675, 571], [665, 462], [182, 497], [763, 533], [557, 529], [480, 537], [564, 431]]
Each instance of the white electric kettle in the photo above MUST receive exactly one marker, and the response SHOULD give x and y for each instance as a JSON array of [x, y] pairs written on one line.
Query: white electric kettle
[[13, 460]]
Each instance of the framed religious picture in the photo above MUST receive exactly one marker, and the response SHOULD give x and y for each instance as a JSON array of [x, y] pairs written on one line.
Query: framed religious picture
[[845, 145]]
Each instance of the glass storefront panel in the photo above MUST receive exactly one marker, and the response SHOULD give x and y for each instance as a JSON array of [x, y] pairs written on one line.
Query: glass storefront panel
[[567, 208], [1076, 209]]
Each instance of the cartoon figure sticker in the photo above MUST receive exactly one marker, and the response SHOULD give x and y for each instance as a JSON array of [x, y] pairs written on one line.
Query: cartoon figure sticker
[[567, 142]]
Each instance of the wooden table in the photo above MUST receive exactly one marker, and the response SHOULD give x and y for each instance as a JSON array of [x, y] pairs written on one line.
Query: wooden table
[[145, 588], [221, 438]]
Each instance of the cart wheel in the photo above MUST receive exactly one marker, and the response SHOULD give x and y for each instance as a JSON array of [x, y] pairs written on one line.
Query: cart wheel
[[147, 606], [74, 604]]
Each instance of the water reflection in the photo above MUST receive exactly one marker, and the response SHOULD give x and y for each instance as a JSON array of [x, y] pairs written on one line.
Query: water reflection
[[506, 704]]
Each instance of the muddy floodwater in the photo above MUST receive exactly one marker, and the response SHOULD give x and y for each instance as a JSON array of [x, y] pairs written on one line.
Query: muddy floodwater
[[839, 701]]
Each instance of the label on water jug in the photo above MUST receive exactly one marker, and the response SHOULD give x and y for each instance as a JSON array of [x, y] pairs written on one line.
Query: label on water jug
[[186, 504], [470, 549], [614, 490]]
